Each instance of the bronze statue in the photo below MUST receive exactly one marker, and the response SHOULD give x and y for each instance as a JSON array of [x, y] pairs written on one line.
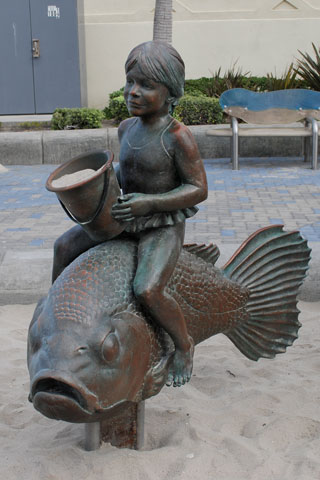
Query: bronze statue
[[162, 178], [128, 301]]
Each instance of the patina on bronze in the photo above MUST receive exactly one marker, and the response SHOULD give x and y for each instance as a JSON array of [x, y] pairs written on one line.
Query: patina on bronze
[[162, 178], [93, 351], [123, 315], [89, 202]]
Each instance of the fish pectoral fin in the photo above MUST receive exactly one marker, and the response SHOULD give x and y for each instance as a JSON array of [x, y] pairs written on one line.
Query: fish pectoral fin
[[157, 376]]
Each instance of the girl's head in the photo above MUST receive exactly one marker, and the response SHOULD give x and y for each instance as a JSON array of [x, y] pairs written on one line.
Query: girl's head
[[161, 63]]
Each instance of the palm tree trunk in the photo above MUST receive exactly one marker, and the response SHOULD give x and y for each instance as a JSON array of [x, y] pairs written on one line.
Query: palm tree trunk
[[162, 25]]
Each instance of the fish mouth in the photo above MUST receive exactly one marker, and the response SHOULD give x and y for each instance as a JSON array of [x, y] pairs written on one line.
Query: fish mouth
[[51, 386], [63, 399]]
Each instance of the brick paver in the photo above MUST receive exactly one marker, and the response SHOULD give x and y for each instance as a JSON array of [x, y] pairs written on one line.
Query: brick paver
[[261, 193]]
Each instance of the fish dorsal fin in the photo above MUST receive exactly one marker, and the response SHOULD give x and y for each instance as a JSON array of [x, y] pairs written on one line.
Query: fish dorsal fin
[[209, 253]]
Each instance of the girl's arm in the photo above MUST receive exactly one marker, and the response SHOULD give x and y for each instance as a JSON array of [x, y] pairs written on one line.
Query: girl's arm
[[121, 130], [193, 188]]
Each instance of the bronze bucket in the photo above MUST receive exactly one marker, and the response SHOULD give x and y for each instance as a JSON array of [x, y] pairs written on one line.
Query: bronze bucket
[[89, 202]]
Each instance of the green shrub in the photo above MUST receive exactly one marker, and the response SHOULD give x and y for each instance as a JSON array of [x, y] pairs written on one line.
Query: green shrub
[[192, 90], [107, 113], [192, 109], [256, 84], [198, 110], [216, 85], [200, 86], [117, 108], [64, 118], [116, 93]]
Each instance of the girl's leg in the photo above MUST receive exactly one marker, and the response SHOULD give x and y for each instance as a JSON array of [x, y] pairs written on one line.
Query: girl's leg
[[158, 253], [68, 247]]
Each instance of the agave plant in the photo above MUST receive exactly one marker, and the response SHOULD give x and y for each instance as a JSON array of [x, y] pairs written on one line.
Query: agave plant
[[287, 80], [308, 68], [215, 85], [234, 76]]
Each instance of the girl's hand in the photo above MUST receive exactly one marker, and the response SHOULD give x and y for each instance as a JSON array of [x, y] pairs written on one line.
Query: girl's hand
[[132, 205]]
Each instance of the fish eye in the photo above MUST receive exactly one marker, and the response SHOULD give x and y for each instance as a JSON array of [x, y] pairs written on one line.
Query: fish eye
[[110, 347]]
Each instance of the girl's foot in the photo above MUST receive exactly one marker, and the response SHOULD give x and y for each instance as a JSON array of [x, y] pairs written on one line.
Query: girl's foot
[[181, 367]]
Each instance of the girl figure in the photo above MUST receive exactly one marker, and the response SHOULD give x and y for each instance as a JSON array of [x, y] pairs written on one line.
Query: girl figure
[[162, 179]]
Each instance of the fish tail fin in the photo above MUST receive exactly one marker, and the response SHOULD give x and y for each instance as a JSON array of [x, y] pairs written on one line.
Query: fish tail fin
[[272, 264]]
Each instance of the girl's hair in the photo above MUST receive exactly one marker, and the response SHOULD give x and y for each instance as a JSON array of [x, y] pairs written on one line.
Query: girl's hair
[[159, 62]]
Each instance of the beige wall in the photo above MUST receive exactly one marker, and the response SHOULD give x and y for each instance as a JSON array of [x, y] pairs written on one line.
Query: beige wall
[[263, 35]]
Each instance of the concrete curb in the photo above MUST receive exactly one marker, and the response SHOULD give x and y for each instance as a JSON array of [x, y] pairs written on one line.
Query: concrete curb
[[25, 276], [55, 147]]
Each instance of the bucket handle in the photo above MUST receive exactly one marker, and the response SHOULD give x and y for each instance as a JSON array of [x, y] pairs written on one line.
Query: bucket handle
[[100, 206]]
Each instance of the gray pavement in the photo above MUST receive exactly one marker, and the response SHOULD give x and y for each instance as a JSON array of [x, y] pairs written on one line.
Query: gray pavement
[[265, 191]]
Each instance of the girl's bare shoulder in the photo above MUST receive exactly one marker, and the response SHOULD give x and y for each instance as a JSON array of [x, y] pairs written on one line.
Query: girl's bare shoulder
[[180, 135], [124, 125]]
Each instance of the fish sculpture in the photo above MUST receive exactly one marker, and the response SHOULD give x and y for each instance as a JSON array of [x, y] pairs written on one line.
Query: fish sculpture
[[92, 349]]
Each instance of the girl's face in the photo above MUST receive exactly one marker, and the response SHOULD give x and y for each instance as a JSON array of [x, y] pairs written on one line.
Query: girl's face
[[144, 97]]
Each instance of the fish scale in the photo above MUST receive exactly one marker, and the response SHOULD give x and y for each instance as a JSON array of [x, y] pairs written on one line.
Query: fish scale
[[101, 280], [211, 303]]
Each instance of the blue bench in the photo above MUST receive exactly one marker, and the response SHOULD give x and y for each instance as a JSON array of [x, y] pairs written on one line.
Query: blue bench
[[271, 114]]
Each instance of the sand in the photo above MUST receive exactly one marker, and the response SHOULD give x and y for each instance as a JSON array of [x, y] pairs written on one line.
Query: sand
[[236, 419], [74, 178]]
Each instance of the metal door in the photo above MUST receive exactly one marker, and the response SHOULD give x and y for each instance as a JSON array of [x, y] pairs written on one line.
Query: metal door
[[39, 57], [16, 73], [56, 69]]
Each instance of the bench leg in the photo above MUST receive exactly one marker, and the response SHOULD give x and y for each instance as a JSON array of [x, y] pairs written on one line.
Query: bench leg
[[314, 144], [235, 144], [314, 141], [306, 148]]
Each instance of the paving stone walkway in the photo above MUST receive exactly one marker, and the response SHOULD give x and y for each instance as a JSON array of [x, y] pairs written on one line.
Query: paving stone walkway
[[261, 193]]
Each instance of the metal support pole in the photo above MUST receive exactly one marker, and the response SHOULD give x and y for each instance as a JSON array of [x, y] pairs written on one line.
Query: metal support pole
[[140, 424], [92, 436], [306, 148], [315, 129], [235, 144]]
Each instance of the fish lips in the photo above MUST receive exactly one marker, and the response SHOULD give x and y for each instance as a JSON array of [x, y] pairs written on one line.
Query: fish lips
[[61, 397]]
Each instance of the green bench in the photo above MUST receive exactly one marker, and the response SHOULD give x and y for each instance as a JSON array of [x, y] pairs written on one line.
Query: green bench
[[282, 113]]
